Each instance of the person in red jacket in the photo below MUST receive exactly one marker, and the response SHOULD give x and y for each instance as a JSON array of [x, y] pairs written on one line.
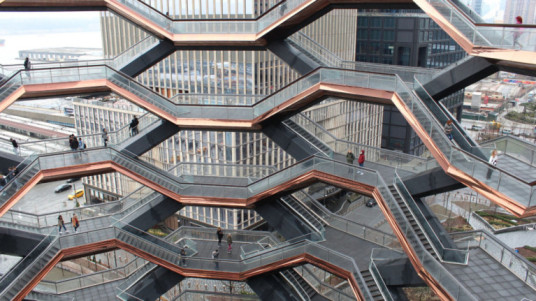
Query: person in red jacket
[[361, 159]]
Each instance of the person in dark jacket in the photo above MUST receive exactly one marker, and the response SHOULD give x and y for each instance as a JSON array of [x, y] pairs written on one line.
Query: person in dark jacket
[[134, 126], [27, 67], [15, 146], [219, 232]]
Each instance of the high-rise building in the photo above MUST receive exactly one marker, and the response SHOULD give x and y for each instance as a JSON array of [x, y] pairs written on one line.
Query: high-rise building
[[476, 5], [406, 38], [524, 8]]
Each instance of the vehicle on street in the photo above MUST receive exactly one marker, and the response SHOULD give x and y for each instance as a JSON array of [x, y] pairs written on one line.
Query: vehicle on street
[[476, 127], [371, 203], [72, 180], [506, 131], [77, 194], [62, 187]]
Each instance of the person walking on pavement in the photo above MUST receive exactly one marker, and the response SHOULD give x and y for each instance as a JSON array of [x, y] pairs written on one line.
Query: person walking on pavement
[[75, 222], [219, 232], [15, 146], [134, 126], [27, 67], [229, 243], [105, 137], [61, 224], [215, 255]]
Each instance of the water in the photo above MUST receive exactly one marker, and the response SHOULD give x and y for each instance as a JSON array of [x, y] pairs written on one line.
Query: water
[[9, 53]]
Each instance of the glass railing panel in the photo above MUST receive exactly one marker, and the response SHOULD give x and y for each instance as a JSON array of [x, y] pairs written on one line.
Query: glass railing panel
[[10, 86], [94, 140], [505, 255], [141, 47], [523, 38], [20, 180], [377, 256], [470, 165], [210, 99], [123, 295], [512, 37], [340, 260], [447, 254], [210, 234], [442, 115], [511, 146], [276, 13], [31, 260], [148, 12], [446, 280], [169, 253], [324, 289], [222, 170]]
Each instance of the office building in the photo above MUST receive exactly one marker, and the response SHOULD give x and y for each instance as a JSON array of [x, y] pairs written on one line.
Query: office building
[[405, 38], [524, 8]]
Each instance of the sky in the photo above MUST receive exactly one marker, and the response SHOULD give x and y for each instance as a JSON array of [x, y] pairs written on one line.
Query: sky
[[36, 30], [25, 22]]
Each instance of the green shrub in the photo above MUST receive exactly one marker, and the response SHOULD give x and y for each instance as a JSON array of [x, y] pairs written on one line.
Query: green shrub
[[530, 248]]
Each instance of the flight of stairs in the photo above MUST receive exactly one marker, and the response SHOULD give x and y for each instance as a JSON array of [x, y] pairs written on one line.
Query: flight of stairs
[[413, 222], [371, 284], [26, 270], [308, 136]]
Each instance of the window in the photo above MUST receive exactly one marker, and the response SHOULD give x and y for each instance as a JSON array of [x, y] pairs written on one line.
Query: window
[[388, 49], [362, 34], [389, 22], [361, 47], [389, 35], [376, 35], [376, 22]]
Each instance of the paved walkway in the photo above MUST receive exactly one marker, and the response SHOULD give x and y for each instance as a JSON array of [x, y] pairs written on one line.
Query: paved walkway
[[516, 167], [488, 279]]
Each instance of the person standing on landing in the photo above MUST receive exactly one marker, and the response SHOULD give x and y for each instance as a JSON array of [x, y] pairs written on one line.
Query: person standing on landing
[[492, 161], [229, 243], [15, 146], [361, 159], [105, 137], [350, 157], [219, 232], [134, 126], [27, 67]]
